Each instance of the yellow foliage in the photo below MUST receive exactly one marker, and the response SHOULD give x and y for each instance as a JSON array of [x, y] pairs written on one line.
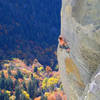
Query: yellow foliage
[[52, 81], [40, 68], [8, 92], [26, 94], [5, 71], [47, 94], [44, 83], [12, 97], [33, 66], [48, 82], [18, 63], [25, 71], [6, 65], [36, 76]]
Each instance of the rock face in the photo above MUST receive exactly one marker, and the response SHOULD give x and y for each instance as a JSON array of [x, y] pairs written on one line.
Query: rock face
[[80, 27]]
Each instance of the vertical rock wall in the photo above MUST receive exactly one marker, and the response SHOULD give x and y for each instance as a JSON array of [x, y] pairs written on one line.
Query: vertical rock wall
[[80, 27]]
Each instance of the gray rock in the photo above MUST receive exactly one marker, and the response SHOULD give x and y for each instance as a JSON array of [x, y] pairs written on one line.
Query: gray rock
[[80, 27]]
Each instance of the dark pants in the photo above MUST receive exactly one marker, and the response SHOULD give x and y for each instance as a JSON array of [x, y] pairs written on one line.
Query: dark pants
[[64, 47]]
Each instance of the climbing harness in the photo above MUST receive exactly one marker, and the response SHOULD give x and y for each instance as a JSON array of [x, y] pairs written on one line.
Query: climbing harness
[[65, 47]]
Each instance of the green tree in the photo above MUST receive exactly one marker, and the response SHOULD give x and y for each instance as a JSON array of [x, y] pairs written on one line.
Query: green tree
[[2, 81], [23, 97], [9, 71], [4, 96], [0, 67], [19, 74], [16, 83], [17, 93], [24, 86], [43, 97], [9, 84], [32, 89], [2, 75], [35, 69], [32, 78]]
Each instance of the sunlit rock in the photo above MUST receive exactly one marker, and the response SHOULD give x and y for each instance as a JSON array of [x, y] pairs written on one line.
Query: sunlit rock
[[80, 27]]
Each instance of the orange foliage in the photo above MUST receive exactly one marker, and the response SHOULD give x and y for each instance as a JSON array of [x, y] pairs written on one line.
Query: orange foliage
[[18, 63], [5, 74], [2, 91], [51, 97], [54, 95], [20, 80], [48, 69], [25, 71], [14, 72], [13, 78], [13, 92], [38, 98], [55, 74]]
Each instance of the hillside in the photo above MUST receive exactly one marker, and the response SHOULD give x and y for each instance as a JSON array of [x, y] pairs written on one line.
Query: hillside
[[21, 82], [29, 30]]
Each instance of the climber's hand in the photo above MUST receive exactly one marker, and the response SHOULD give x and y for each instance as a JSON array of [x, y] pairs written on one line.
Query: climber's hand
[[68, 50]]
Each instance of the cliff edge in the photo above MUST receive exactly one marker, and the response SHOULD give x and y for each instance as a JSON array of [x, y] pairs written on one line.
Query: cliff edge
[[79, 69]]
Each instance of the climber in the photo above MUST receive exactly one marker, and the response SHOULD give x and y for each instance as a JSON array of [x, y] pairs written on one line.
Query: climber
[[63, 44]]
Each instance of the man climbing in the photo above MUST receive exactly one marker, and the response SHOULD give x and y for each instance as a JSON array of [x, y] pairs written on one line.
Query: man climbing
[[63, 44]]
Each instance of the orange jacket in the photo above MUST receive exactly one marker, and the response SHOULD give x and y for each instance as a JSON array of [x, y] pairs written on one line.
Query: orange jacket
[[62, 42]]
